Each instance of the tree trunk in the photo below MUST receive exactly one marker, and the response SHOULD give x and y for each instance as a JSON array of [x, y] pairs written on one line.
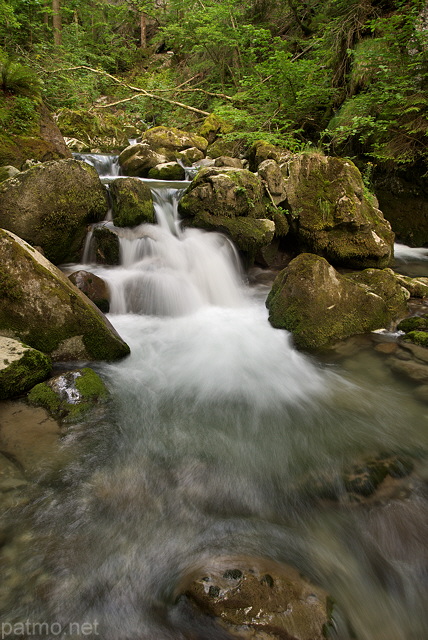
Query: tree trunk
[[143, 26], [56, 22]]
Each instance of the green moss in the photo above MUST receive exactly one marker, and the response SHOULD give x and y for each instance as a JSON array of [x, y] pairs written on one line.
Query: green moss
[[22, 374], [91, 385], [415, 323], [9, 287], [418, 337], [43, 396], [168, 171]]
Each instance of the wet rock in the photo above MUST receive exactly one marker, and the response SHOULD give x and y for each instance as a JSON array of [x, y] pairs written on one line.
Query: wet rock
[[132, 202], [11, 476], [29, 437], [21, 367], [415, 371], [41, 307], [51, 204], [320, 306], [250, 600], [106, 246], [413, 351], [70, 395], [332, 215], [167, 171], [94, 287]]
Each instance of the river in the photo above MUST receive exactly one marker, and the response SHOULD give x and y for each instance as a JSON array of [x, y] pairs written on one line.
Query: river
[[223, 440]]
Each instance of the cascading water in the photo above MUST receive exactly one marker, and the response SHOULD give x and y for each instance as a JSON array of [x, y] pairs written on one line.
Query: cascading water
[[217, 436]]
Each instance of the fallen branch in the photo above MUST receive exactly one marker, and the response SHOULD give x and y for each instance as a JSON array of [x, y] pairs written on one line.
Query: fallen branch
[[143, 92]]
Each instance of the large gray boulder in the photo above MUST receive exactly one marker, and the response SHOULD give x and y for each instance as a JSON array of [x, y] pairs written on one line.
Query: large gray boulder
[[51, 204], [41, 307], [320, 306], [333, 215], [21, 367]]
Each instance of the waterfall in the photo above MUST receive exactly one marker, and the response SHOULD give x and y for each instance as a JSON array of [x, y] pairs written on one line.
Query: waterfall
[[220, 440]]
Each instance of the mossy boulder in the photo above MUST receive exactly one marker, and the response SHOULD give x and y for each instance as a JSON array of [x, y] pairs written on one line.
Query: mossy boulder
[[41, 307], [332, 214], [232, 148], [21, 367], [106, 245], [261, 151], [417, 287], [102, 131], [71, 395], [132, 202], [320, 306], [94, 287], [227, 161], [214, 126], [51, 204], [414, 323], [230, 201], [164, 139], [383, 283], [418, 337], [29, 133], [224, 191], [190, 156], [138, 159], [167, 171]]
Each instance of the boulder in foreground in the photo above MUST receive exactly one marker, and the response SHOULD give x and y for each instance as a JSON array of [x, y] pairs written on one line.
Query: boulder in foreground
[[40, 306]]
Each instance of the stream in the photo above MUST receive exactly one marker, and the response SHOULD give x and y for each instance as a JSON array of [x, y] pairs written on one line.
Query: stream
[[220, 440]]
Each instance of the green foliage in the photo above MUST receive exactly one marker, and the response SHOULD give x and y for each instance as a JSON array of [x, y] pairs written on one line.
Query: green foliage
[[18, 115], [18, 79]]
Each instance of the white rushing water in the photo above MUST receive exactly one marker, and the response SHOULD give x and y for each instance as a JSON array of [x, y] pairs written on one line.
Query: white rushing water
[[218, 434]]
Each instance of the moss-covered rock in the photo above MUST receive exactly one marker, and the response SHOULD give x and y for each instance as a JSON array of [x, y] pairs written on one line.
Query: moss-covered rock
[[70, 395], [331, 214], [417, 287], [167, 171], [415, 323], [174, 140], [132, 202], [138, 159], [189, 156], [45, 310], [232, 148], [270, 172], [261, 151], [320, 306], [227, 161], [103, 130], [214, 126], [225, 192], [94, 287], [21, 367], [418, 337], [106, 245], [383, 283], [30, 135], [50, 205]]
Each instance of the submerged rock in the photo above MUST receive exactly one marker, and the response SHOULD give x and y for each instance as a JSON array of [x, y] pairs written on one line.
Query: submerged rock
[[50, 205], [255, 599], [320, 306], [21, 367], [132, 202], [70, 395], [44, 309], [332, 215], [94, 287]]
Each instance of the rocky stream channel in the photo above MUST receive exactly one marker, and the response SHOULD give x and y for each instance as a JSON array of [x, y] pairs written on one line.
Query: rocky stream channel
[[231, 486]]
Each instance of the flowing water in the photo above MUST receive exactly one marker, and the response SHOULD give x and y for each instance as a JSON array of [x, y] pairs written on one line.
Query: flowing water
[[219, 441]]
